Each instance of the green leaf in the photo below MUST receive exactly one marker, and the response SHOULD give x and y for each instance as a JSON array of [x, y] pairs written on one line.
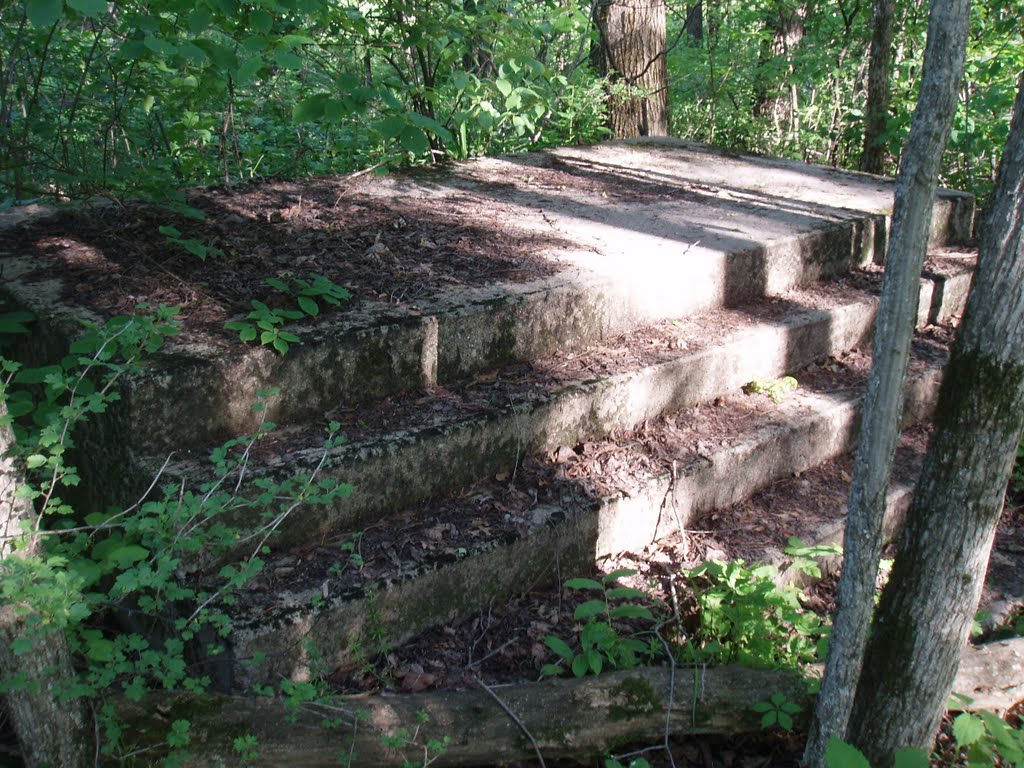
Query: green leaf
[[414, 140], [559, 647], [391, 127], [839, 754], [35, 461], [595, 661], [580, 666], [967, 729], [617, 574], [630, 592], [309, 109], [198, 20], [584, 584], [909, 757], [631, 612], [309, 306], [504, 87], [589, 609], [92, 8], [44, 13], [159, 46], [249, 69], [278, 285], [261, 21], [127, 554], [289, 60]]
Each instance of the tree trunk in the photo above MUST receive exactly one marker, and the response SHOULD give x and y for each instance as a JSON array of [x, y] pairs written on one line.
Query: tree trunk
[[51, 732], [925, 615], [879, 64], [571, 718], [912, 210], [631, 52]]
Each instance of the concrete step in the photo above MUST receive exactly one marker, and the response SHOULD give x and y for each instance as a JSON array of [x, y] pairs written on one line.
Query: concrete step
[[407, 449], [637, 232], [453, 555]]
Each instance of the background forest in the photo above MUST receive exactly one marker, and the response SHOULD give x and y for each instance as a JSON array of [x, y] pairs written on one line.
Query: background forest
[[142, 97]]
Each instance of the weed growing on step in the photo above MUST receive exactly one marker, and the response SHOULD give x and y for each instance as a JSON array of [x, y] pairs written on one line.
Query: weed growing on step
[[267, 324], [114, 582], [776, 389], [600, 644]]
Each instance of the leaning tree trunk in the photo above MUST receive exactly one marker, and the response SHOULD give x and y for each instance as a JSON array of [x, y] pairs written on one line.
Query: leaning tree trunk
[[51, 732], [631, 53], [897, 313], [925, 615], [879, 63]]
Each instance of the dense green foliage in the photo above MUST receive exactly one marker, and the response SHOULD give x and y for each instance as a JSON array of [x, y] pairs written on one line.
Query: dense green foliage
[[143, 97]]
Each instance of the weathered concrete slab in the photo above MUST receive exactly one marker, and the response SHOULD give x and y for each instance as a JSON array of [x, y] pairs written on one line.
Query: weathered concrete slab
[[411, 464], [314, 623], [693, 228]]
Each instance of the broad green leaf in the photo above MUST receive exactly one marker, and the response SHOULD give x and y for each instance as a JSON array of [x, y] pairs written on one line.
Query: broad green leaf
[[261, 21], [580, 665], [35, 461], [192, 52], [288, 60], [909, 757], [391, 127], [278, 285], [309, 306], [99, 649], [249, 69], [336, 110], [504, 87], [92, 8], [21, 644], [44, 13], [589, 609], [967, 729], [839, 754], [127, 554], [198, 20], [160, 46], [309, 109], [630, 592], [584, 584], [147, 106], [559, 646], [631, 612], [595, 661], [414, 140], [550, 669]]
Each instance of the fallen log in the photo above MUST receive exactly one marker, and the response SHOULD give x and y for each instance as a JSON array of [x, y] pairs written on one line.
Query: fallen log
[[580, 718]]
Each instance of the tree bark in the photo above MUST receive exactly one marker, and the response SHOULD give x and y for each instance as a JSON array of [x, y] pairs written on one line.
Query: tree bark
[[925, 615], [631, 53], [51, 731], [571, 718], [912, 211], [879, 64]]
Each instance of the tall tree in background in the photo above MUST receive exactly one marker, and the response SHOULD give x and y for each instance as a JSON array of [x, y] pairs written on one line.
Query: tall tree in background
[[632, 53], [879, 64], [897, 314], [925, 615]]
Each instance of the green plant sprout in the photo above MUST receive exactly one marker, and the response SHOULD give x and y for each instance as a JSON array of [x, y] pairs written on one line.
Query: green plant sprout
[[267, 324], [600, 643], [776, 389], [193, 246], [778, 710]]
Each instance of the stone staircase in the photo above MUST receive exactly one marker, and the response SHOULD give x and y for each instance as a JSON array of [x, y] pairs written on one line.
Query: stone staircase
[[678, 275]]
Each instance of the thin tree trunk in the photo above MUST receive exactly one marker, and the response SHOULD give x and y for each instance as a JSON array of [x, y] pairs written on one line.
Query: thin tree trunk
[[51, 732], [925, 616], [631, 52], [879, 65], [915, 189]]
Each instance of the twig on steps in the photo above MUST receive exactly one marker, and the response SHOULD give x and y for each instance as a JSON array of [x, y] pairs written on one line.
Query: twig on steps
[[515, 718]]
